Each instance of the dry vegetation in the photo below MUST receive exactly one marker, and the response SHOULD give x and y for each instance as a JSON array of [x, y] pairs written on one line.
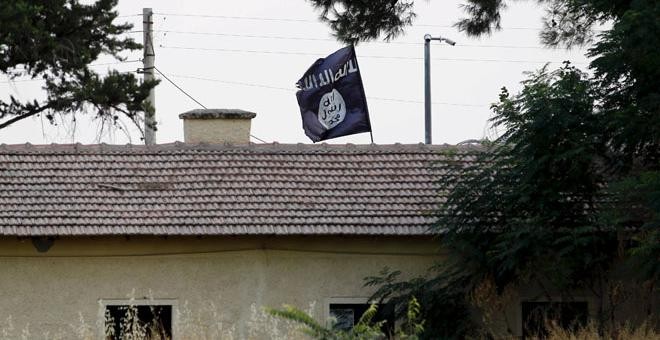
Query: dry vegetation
[[209, 322], [206, 322]]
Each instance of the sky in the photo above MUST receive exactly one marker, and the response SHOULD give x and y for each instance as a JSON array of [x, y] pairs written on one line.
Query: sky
[[249, 54]]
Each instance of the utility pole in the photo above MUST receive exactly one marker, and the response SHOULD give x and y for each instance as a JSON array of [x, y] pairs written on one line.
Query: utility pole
[[148, 73], [427, 83]]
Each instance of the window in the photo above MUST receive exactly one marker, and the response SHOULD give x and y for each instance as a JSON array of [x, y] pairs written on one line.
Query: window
[[141, 321], [567, 315], [349, 314]]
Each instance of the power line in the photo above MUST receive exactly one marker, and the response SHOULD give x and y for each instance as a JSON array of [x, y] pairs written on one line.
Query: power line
[[235, 82], [422, 102], [117, 62], [247, 35], [195, 100], [295, 20], [259, 139], [237, 17], [178, 87], [362, 56], [278, 37], [290, 90]]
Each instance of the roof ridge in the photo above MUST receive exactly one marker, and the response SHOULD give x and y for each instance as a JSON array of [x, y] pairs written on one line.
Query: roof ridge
[[278, 148]]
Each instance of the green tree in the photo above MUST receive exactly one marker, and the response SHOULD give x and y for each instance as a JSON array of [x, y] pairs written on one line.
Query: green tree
[[528, 211], [539, 206], [532, 197], [56, 41]]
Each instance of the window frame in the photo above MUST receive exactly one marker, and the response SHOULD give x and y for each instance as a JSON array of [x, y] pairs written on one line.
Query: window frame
[[103, 303], [553, 299], [349, 301]]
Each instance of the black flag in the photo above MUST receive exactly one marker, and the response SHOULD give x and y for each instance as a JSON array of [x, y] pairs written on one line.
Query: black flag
[[331, 97]]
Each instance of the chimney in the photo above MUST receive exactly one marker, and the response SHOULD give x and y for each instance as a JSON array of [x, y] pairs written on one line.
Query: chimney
[[217, 126]]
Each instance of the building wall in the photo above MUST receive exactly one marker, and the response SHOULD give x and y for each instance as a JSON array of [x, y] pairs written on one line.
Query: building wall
[[232, 277]]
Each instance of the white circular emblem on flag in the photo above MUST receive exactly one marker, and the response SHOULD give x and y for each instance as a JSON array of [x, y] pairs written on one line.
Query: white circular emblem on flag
[[332, 109]]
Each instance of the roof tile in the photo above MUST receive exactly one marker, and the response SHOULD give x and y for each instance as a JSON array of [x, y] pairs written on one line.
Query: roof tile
[[184, 189]]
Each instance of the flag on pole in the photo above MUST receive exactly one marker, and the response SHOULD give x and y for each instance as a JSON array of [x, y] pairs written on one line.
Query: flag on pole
[[331, 97]]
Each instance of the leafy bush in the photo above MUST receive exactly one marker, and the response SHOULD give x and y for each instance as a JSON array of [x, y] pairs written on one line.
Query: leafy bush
[[365, 329]]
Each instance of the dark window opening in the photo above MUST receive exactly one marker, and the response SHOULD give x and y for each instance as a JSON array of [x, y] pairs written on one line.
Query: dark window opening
[[348, 315], [567, 315], [145, 321]]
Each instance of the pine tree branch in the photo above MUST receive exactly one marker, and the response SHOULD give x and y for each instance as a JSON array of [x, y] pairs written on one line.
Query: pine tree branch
[[25, 115]]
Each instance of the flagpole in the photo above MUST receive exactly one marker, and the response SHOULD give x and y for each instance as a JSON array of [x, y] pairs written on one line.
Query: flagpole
[[364, 96]]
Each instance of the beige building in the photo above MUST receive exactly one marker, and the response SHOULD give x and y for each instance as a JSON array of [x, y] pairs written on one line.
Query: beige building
[[202, 235], [207, 233]]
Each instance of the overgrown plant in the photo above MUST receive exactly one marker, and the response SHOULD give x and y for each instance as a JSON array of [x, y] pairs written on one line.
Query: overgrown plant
[[365, 329], [539, 207], [413, 326], [644, 331], [131, 327], [442, 301], [532, 196]]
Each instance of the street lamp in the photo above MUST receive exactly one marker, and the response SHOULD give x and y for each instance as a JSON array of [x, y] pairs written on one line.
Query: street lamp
[[427, 82]]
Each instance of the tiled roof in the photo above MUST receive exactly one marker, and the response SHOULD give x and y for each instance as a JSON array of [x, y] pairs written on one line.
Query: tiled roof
[[180, 189]]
